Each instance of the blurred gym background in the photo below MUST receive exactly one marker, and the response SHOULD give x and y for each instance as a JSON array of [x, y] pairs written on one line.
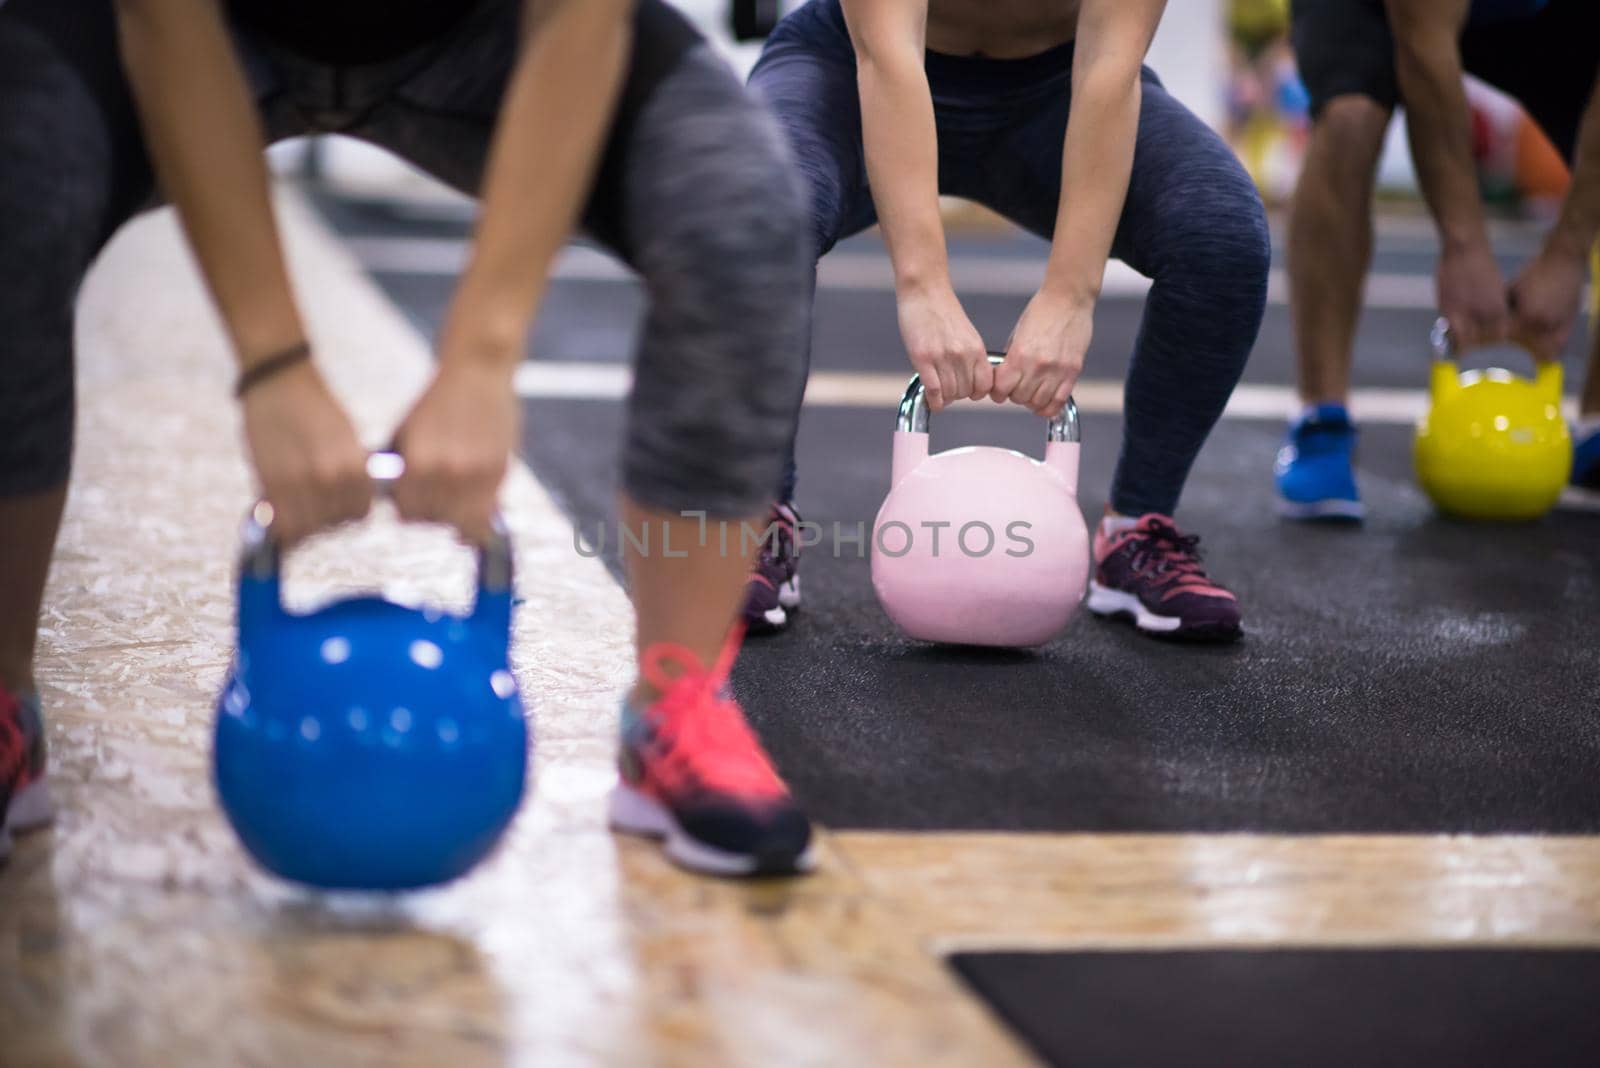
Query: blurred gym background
[[1229, 60]]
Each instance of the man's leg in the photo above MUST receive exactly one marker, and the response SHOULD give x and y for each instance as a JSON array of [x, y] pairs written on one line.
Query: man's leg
[[1330, 249], [1346, 56], [1330, 242], [71, 171]]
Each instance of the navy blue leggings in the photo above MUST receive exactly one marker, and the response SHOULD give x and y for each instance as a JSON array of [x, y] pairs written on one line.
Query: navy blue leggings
[[1193, 223]]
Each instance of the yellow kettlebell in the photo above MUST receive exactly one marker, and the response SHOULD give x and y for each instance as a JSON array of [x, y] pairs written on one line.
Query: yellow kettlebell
[[1492, 445]]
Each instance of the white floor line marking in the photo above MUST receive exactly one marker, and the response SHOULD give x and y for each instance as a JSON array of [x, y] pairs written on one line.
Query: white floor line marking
[[547, 380], [1016, 276]]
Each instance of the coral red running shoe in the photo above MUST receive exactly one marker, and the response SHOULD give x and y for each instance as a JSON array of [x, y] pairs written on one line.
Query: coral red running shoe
[[24, 793], [1151, 573], [694, 775]]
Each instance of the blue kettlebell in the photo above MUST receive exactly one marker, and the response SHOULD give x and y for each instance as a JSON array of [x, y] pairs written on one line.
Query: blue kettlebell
[[367, 745]]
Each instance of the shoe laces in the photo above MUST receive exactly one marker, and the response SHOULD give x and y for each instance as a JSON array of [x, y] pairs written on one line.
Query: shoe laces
[[783, 545], [703, 733], [1164, 553], [1321, 436]]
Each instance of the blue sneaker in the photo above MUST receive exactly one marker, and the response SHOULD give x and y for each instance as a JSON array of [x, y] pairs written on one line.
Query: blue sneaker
[[1586, 462], [1316, 479]]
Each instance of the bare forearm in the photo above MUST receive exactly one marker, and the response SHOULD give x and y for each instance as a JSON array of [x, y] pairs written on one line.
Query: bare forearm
[[1438, 125], [1096, 165], [1579, 224], [1438, 120], [206, 144], [902, 154], [1102, 128], [547, 143], [901, 138]]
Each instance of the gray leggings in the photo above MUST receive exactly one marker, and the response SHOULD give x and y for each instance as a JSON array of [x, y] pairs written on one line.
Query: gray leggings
[[1193, 222], [695, 192]]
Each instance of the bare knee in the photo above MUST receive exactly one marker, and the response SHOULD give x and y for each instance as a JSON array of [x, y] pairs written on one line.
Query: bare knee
[[1348, 137]]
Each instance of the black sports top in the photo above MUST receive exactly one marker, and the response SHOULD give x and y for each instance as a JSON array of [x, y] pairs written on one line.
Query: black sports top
[[350, 31]]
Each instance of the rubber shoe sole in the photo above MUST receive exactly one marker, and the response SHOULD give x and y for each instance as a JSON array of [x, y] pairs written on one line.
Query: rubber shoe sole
[[776, 619], [635, 813], [1331, 510], [1108, 603], [1578, 499], [29, 810]]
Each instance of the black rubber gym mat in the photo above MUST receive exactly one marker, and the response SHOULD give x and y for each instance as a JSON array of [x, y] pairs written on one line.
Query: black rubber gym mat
[[1307, 1008], [1418, 675], [1415, 676]]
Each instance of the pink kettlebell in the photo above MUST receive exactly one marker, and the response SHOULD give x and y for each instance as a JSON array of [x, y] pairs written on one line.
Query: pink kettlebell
[[980, 545]]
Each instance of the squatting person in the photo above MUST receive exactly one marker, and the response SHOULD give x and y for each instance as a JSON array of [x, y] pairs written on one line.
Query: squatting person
[[1043, 111], [608, 113], [1359, 59]]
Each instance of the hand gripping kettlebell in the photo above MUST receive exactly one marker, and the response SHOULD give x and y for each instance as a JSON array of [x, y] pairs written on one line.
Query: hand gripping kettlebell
[[980, 545], [368, 745], [1492, 445]]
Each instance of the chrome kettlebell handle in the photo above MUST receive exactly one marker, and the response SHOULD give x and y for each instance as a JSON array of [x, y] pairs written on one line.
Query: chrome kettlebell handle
[[261, 556], [1442, 341], [913, 415]]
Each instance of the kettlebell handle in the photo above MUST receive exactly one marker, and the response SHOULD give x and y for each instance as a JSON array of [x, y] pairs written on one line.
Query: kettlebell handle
[[261, 556], [913, 415], [1442, 341]]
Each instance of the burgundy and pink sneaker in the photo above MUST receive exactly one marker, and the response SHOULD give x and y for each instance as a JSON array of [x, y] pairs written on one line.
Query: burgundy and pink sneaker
[[1151, 574], [773, 593]]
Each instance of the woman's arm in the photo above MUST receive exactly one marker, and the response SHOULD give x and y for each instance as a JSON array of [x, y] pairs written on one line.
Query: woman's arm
[[902, 152], [902, 147], [1051, 340], [458, 440], [206, 144], [1097, 159], [541, 164]]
